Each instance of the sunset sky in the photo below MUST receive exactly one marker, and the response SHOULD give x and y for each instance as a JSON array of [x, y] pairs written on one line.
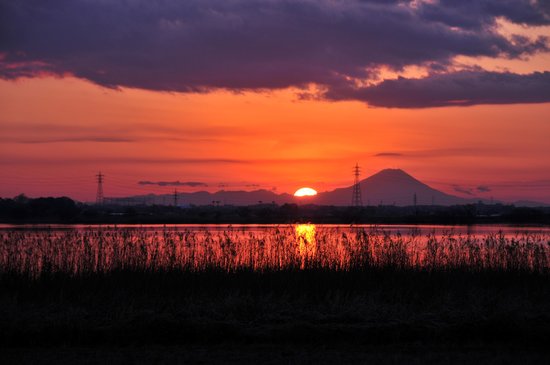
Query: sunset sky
[[273, 94]]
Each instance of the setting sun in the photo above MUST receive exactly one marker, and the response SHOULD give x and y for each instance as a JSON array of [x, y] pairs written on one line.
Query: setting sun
[[305, 192]]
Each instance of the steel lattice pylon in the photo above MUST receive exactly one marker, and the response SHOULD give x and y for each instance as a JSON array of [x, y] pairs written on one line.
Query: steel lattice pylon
[[356, 200], [99, 196]]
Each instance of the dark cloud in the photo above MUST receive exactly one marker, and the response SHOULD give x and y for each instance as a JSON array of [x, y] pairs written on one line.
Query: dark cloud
[[530, 184], [174, 183], [451, 89], [198, 45], [11, 159], [483, 188], [388, 154], [41, 133], [241, 184], [462, 190], [446, 152], [95, 139], [71, 139], [476, 14]]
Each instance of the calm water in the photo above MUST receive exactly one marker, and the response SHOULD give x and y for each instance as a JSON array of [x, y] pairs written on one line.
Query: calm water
[[422, 229]]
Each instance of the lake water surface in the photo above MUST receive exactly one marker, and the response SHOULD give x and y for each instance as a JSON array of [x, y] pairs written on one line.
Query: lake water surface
[[403, 229]]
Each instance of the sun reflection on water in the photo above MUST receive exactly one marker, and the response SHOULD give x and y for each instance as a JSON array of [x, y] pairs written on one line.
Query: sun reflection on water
[[305, 239]]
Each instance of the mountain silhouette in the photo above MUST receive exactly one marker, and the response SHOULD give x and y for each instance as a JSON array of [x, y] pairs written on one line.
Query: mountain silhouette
[[222, 197], [391, 187], [387, 187]]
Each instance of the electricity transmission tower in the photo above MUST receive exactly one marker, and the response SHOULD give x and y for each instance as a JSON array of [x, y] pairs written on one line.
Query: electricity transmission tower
[[99, 199], [175, 197], [356, 196]]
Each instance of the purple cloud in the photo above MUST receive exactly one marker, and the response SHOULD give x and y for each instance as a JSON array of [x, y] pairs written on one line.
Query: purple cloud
[[475, 14], [388, 154], [174, 183], [463, 190], [451, 89], [199, 45], [483, 189], [42, 133]]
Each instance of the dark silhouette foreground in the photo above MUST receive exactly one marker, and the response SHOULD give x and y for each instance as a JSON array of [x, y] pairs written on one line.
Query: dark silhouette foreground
[[22, 210], [388, 315]]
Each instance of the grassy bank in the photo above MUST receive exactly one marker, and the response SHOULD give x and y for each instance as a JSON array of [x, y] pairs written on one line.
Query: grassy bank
[[286, 295], [377, 306]]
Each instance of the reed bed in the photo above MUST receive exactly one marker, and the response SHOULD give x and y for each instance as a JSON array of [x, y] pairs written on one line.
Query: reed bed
[[300, 247]]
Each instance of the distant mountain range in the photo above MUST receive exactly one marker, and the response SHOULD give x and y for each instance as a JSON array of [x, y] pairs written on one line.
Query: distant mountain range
[[387, 187], [391, 187]]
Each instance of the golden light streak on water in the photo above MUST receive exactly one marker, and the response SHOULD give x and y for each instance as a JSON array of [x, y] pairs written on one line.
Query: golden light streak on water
[[305, 238]]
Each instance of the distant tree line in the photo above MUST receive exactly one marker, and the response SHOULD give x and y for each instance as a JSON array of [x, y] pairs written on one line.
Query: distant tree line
[[22, 209]]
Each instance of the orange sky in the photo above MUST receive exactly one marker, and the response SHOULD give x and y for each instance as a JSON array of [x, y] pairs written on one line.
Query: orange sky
[[56, 133], [59, 126]]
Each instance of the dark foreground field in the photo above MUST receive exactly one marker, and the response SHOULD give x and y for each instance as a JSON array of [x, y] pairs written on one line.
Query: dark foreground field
[[290, 316]]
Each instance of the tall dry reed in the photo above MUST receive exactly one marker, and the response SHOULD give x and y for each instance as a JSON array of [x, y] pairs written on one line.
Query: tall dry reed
[[102, 250]]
